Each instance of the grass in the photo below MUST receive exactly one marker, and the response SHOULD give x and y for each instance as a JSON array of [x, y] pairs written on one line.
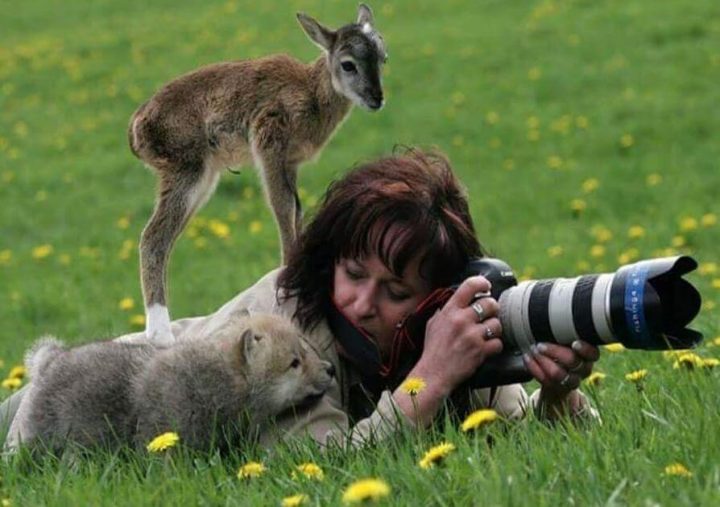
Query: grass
[[564, 119]]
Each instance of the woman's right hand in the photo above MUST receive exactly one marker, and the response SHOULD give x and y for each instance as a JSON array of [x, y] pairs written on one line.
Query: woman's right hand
[[458, 339]]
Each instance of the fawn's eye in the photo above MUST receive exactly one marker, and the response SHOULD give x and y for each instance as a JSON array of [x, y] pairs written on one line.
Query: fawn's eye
[[348, 66], [295, 363]]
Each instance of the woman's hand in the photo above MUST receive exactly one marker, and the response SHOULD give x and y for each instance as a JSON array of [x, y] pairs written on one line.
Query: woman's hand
[[560, 370], [460, 336]]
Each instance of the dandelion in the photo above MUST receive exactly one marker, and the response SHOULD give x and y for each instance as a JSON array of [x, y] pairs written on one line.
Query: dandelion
[[708, 219], [251, 470], [711, 362], [42, 251], [555, 251], [678, 241], [614, 347], [11, 383], [365, 490], [636, 232], [163, 442], [595, 378], [492, 118], [534, 74], [554, 162], [310, 470], [294, 500], [255, 226], [5, 502], [677, 469], [627, 140], [413, 385], [628, 256], [436, 455], [688, 360], [636, 376], [18, 372], [578, 206], [532, 122], [715, 342], [478, 419], [200, 243], [707, 268], [653, 179], [716, 283], [137, 320], [5, 257], [601, 233], [590, 185], [688, 224], [123, 223], [597, 251], [582, 122], [457, 98], [674, 354], [126, 304], [219, 229]]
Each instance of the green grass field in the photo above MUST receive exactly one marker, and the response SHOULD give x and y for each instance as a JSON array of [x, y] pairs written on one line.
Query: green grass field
[[586, 133]]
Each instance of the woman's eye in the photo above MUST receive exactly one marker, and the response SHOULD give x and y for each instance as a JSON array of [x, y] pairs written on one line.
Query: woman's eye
[[295, 363], [398, 296], [348, 66], [353, 275]]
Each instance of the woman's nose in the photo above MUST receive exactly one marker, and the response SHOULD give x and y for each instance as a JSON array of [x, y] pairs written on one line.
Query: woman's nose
[[364, 304]]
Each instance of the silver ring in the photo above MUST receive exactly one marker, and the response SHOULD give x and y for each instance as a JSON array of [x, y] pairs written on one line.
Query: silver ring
[[489, 333], [577, 367], [479, 311], [564, 382]]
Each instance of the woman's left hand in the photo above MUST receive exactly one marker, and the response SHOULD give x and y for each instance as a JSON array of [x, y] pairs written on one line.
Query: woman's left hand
[[561, 369]]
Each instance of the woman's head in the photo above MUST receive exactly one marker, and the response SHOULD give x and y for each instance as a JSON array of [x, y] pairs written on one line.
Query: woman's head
[[402, 209]]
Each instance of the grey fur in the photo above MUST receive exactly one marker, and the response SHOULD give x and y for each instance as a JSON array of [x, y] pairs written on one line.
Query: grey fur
[[210, 392]]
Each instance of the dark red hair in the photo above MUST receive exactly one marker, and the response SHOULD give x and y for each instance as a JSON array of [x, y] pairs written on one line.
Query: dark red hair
[[396, 208]]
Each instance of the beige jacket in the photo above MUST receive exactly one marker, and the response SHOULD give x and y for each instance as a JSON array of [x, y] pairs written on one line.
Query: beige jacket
[[328, 420]]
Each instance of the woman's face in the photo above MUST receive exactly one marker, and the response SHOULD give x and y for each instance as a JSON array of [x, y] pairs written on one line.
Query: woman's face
[[376, 300]]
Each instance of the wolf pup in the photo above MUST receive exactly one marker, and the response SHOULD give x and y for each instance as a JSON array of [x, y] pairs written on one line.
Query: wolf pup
[[210, 392], [274, 113]]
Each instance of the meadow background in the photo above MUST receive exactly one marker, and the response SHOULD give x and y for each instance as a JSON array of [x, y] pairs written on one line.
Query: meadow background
[[585, 131]]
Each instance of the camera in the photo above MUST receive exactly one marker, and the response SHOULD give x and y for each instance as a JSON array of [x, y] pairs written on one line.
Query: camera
[[646, 305]]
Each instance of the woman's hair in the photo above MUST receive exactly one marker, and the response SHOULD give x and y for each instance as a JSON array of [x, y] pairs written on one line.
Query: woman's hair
[[395, 208]]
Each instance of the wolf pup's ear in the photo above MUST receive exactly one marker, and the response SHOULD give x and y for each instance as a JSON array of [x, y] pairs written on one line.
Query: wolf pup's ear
[[248, 343]]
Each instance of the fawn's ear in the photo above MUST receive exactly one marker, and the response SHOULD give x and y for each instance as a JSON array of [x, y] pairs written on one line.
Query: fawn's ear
[[365, 15], [322, 36], [249, 343]]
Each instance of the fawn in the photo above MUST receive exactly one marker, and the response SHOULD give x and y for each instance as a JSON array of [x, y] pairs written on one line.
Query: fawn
[[275, 112]]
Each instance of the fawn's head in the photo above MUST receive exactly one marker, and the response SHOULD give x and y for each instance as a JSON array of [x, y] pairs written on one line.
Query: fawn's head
[[356, 54]]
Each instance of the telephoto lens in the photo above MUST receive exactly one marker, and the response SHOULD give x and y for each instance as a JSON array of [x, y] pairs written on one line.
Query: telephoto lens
[[646, 305]]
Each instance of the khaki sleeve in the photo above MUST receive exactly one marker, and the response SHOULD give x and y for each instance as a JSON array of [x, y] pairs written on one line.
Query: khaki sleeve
[[510, 401]]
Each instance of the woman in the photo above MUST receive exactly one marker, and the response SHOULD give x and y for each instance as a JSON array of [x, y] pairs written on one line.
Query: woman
[[385, 237]]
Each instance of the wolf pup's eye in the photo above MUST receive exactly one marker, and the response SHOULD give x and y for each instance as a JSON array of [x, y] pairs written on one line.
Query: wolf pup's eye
[[295, 363]]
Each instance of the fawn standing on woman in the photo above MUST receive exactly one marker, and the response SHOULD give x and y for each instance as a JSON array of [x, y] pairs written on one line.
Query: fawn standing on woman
[[275, 112]]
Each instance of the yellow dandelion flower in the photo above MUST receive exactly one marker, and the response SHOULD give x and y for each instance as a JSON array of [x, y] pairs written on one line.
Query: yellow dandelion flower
[[255, 226], [126, 304], [555, 251], [137, 320], [707, 268], [65, 259], [582, 122], [123, 223], [554, 162], [601, 233], [590, 185], [710, 305], [413, 385], [708, 219], [636, 232], [509, 164], [715, 342], [492, 118], [42, 251], [310, 470], [200, 243], [436, 455], [163, 442], [578, 206], [595, 378], [458, 141], [677, 469], [11, 383], [219, 229], [597, 251], [688, 224], [636, 376], [628, 255], [6, 502], [5, 257], [678, 241], [478, 419], [614, 347], [294, 500], [582, 266], [533, 122], [710, 362], [366, 490], [18, 372], [457, 98], [653, 179], [716, 283], [672, 355], [688, 360], [534, 74], [251, 470], [627, 140]]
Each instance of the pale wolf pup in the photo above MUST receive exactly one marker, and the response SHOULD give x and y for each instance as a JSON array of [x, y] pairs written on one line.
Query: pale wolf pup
[[210, 392]]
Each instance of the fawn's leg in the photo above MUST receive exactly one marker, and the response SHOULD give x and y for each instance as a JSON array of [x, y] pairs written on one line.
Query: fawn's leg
[[180, 195], [279, 173]]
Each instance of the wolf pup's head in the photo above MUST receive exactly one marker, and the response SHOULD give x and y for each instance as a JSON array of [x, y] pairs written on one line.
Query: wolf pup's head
[[279, 364]]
